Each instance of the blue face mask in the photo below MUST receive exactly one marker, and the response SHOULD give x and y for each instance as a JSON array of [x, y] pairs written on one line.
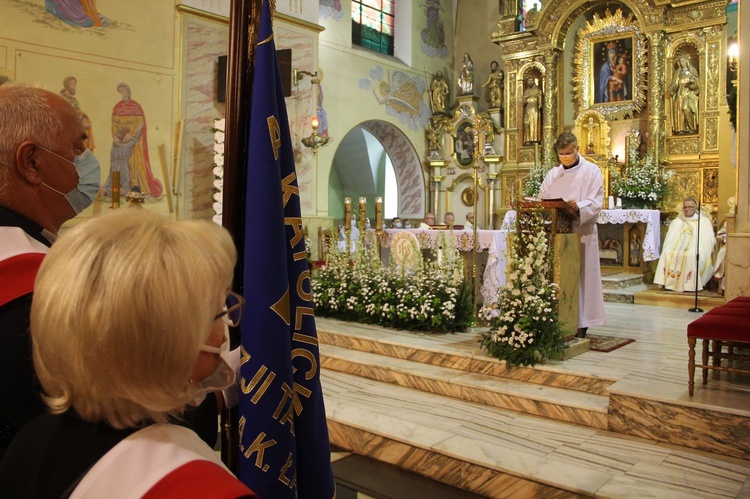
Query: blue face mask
[[89, 180], [399, 225]]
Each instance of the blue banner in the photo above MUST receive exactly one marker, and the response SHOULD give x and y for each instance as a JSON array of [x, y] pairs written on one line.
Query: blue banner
[[284, 449]]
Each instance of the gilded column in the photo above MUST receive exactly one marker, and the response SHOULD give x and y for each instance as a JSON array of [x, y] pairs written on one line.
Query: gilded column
[[656, 83], [551, 95]]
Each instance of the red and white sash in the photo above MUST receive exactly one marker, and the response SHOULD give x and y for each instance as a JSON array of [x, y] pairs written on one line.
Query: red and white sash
[[20, 258]]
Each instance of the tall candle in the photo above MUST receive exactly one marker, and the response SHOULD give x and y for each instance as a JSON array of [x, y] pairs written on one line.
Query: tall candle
[[378, 212], [362, 212], [347, 213]]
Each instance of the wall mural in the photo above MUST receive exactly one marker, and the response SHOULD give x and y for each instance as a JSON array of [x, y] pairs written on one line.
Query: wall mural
[[433, 35], [401, 94], [330, 9], [80, 13]]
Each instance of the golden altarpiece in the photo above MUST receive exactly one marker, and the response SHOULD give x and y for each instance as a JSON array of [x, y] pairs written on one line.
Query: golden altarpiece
[[649, 71]]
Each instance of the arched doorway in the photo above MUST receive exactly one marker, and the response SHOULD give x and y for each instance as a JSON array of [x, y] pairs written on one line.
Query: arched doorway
[[359, 170]]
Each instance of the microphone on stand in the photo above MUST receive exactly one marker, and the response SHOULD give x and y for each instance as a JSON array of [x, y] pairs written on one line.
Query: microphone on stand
[[697, 262]]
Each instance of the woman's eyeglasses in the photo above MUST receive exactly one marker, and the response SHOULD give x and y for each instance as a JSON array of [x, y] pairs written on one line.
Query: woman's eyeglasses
[[232, 311]]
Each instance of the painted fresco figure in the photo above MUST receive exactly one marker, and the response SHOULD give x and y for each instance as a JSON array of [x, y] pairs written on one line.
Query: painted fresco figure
[[69, 94], [433, 35], [81, 13], [122, 151], [128, 113], [684, 91]]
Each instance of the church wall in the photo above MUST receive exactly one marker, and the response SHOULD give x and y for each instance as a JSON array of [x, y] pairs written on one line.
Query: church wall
[[129, 47]]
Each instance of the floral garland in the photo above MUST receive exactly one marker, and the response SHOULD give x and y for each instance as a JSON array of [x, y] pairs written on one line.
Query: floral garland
[[431, 297], [523, 325], [642, 185]]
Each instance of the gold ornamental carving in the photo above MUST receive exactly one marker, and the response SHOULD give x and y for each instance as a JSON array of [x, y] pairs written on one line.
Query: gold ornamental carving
[[683, 185], [505, 27], [710, 185], [512, 146], [712, 77], [550, 118], [681, 146], [697, 15], [712, 133], [526, 155], [511, 109], [656, 120]]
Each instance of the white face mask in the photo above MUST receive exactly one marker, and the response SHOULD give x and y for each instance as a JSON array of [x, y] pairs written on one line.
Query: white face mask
[[89, 179], [221, 378]]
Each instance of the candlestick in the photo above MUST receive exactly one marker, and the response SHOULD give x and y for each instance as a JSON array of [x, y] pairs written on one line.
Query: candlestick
[[362, 212], [115, 189], [378, 212], [347, 213]]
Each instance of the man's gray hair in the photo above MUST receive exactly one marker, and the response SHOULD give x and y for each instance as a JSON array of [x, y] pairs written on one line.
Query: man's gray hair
[[25, 114], [564, 139]]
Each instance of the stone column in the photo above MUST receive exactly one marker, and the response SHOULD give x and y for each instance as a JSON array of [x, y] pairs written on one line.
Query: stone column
[[656, 112], [551, 97]]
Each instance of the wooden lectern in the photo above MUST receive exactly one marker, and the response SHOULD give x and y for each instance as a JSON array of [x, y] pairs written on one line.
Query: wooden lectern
[[565, 247]]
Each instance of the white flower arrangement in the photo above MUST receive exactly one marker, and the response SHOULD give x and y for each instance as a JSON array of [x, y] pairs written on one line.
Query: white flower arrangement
[[641, 185], [431, 297], [523, 323]]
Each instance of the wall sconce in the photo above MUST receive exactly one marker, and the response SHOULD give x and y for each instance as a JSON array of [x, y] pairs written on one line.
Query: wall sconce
[[315, 140], [733, 53]]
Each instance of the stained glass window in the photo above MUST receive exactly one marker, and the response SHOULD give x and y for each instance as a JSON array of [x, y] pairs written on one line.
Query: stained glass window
[[372, 25]]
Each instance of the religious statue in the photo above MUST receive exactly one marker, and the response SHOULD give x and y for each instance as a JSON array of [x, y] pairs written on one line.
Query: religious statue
[[466, 76], [532, 101], [684, 91], [438, 93], [432, 133], [495, 82]]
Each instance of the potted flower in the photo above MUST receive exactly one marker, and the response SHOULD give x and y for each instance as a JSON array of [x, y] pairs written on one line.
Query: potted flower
[[642, 186]]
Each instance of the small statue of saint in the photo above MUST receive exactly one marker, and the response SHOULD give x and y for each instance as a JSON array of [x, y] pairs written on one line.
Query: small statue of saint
[[496, 83]]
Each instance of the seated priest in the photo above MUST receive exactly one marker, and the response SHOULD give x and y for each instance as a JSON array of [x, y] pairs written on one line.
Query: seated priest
[[428, 221], [469, 225], [448, 219], [677, 265]]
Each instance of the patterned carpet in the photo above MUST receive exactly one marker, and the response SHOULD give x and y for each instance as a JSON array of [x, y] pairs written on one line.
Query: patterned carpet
[[607, 343]]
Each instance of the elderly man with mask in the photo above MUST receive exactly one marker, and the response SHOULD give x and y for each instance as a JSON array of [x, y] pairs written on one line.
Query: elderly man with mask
[[47, 176], [579, 182]]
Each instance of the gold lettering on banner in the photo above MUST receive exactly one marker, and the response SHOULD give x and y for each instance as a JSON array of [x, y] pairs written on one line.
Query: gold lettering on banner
[[300, 312], [244, 356], [299, 231], [282, 475], [274, 130], [287, 418], [288, 189], [304, 275], [259, 375], [240, 431], [300, 255], [282, 308], [304, 338], [296, 402], [259, 446], [302, 352]]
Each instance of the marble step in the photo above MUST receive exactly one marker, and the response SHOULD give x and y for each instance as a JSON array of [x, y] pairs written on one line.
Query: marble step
[[454, 350], [623, 295], [621, 280], [554, 403], [499, 453]]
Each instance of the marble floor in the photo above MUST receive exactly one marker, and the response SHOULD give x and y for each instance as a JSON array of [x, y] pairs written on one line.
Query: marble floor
[[408, 416]]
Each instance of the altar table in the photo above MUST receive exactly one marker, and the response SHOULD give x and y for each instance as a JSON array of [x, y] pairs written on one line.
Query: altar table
[[493, 242]]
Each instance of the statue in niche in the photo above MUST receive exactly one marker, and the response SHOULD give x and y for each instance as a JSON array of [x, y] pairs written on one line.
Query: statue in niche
[[635, 245], [438, 93], [466, 76], [496, 83], [532, 101], [684, 91]]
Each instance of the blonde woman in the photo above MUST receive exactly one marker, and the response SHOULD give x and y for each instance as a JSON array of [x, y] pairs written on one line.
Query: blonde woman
[[129, 325]]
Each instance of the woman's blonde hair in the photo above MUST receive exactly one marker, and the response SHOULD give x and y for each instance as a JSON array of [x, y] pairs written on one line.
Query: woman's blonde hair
[[122, 304]]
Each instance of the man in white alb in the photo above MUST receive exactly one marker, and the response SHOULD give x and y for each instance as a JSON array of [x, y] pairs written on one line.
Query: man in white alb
[[676, 269], [579, 182]]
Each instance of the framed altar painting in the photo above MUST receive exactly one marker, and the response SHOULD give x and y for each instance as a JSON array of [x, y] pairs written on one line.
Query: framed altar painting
[[610, 60], [463, 145]]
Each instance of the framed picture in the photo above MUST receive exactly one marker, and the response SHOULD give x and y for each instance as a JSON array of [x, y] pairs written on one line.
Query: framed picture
[[463, 144], [610, 57], [613, 70]]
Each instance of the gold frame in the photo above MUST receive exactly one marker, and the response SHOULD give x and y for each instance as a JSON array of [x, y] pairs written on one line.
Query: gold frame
[[612, 28], [460, 127]]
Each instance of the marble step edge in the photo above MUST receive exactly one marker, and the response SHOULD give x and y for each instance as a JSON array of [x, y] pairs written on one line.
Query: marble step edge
[[540, 374], [615, 282], [548, 402], [451, 458]]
